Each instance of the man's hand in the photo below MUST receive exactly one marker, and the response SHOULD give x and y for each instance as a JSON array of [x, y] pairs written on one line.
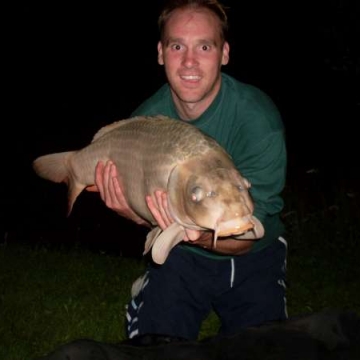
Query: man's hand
[[160, 211], [107, 183]]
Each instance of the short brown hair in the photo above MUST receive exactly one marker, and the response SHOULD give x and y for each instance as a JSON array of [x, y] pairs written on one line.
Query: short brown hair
[[213, 5]]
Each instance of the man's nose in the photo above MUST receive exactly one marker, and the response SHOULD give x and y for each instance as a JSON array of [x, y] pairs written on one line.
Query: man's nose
[[190, 60]]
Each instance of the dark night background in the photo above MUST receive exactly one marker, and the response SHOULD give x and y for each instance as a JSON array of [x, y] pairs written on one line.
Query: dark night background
[[71, 69]]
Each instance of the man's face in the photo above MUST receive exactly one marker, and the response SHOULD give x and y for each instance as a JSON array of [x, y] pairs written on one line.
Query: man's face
[[192, 53]]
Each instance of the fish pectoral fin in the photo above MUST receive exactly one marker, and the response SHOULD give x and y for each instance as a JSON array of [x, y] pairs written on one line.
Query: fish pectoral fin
[[138, 285], [163, 244], [176, 192], [151, 238], [256, 232]]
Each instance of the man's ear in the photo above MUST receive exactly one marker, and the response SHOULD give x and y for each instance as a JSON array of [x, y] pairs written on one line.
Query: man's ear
[[225, 53], [160, 54]]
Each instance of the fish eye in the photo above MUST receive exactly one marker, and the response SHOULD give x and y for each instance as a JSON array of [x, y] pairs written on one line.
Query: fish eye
[[240, 188], [197, 194]]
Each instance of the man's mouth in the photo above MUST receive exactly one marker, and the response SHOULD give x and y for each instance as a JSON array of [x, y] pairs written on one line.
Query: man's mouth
[[190, 77]]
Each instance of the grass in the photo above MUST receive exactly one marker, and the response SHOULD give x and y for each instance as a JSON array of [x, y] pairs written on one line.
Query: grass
[[53, 294]]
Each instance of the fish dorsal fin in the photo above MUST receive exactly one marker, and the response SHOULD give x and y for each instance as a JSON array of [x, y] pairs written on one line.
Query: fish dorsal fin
[[165, 241], [110, 127], [107, 128]]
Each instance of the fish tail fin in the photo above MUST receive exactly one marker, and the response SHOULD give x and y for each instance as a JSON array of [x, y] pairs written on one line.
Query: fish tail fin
[[74, 191], [55, 167]]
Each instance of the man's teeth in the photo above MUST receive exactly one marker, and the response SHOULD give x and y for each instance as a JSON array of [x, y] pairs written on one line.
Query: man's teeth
[[191, 77]]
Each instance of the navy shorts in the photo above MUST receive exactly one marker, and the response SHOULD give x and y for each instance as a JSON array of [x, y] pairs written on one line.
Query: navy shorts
[[176, 297]]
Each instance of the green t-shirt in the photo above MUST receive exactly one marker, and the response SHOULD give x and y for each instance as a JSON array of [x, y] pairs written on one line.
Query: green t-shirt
[[245, 121]]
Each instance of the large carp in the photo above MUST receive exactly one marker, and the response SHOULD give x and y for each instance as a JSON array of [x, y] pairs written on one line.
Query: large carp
[[205, 190]]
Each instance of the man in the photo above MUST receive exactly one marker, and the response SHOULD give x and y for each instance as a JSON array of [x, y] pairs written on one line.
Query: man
[[242, 280]]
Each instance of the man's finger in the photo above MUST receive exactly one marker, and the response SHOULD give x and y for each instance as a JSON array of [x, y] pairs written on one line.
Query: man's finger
[[155, 212], [107, 183], [99, 178], [113, 190], [118, 192], [161, 199], [92, 188]]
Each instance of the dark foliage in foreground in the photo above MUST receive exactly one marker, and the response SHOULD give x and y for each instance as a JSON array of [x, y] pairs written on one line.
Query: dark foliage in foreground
[[330, 334]]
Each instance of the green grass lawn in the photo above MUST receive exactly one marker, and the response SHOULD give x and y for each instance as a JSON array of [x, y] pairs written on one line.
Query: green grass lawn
[[49, 297], [52, 294]]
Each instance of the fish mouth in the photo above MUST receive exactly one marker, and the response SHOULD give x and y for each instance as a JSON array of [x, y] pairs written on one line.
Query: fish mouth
[[234, 230], [235, 227], [249, 228]]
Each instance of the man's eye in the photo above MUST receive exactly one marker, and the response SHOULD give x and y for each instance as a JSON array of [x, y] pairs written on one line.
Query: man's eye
[[176, 47], [205, 47]]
